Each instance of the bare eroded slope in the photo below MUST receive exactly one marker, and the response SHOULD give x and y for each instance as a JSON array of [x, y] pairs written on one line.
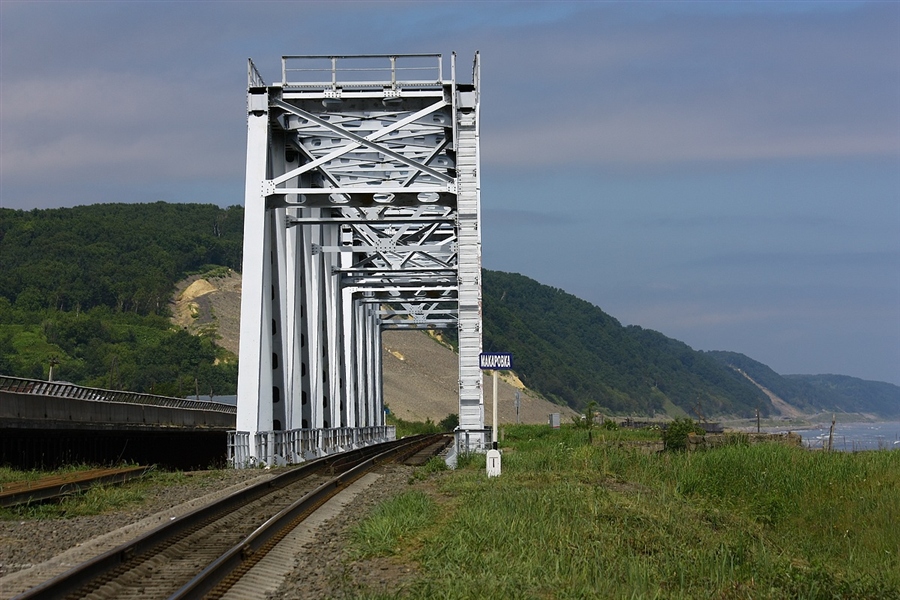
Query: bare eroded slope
[[421, 376]]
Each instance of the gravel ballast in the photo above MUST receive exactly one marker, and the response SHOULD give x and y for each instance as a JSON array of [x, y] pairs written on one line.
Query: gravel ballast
[[34, 550]]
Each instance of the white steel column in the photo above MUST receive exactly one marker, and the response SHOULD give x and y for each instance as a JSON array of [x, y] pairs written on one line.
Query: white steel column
[[471, 398], [334, 331], [351, 385], [254, 410], [378, 392], [314, 310], [371, 326], [294, 326]]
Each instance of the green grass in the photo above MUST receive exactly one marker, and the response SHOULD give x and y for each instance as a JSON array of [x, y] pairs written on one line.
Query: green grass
[[407, 428], [610, 520], [392, 523], [435, 464]]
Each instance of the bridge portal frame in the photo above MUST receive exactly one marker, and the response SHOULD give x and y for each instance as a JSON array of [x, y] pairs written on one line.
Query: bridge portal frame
[[362, 213]]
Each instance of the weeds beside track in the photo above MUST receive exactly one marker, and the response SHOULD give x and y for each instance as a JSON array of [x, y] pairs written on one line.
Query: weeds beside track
[[570, 519]]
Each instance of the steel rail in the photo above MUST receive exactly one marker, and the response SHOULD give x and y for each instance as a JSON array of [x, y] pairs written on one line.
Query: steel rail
[[216, 579], [70, 582], [57, 486]]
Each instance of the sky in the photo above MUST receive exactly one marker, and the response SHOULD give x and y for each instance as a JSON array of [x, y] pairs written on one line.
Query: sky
[[726, 173]]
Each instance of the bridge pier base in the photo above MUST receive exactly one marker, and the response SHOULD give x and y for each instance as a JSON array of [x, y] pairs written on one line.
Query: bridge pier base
[[277, 448]]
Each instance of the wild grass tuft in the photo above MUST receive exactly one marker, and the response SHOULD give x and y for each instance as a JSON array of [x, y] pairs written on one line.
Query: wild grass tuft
[[392, 523], [471, 461], [435, 464]]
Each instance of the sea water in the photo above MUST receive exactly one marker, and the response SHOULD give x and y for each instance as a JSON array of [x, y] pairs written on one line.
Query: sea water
[[852, 437]]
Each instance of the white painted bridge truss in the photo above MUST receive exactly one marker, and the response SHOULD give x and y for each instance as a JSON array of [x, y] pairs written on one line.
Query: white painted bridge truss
[[362, 214]]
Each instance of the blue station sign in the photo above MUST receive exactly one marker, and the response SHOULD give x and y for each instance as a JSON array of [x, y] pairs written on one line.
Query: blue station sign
[[495, 361]]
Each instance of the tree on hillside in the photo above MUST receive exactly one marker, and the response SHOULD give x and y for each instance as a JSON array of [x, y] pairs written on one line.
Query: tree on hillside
[[91, 286]]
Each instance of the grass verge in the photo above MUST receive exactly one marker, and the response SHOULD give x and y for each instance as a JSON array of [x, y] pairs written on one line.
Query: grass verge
[[569, 519], [393, 523]]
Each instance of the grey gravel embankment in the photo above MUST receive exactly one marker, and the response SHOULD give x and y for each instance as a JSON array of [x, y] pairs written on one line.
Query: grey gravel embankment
[[32, 551]]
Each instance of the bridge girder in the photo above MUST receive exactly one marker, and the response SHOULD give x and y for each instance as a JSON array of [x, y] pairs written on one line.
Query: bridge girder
[[362, 214]]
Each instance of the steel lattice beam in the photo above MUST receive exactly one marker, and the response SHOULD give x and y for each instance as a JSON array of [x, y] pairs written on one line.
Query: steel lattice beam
[[362, 214]]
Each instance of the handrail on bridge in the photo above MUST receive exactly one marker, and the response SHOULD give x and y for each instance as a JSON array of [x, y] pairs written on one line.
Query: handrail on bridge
[[367, 70], [60, 389], [254, 79]]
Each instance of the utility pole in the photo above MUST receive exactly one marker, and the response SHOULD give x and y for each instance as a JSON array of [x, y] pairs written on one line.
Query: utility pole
[[54, 361]]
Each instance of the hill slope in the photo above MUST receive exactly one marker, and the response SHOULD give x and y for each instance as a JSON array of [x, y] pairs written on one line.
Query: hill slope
[[420, 374], [820, 393], [123, 256], [421, 382], [88, 287], [573, 352]]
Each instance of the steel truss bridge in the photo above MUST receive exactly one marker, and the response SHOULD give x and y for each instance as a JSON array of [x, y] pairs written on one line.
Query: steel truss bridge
[[362, 213]]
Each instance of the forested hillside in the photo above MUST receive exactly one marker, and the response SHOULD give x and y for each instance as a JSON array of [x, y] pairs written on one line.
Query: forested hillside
[[817, 393], [574, 353], [87, 289], [123, 256]]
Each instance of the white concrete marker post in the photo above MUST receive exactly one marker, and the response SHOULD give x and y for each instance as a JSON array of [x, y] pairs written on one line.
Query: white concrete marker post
[[493, 463], [494, 362]]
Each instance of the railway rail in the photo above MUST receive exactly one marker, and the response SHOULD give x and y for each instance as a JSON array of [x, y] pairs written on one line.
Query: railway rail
[[58, 486], [205, 552], [426, 453]]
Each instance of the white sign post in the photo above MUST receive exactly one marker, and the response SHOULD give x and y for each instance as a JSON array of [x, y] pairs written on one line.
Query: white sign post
[[494, 362]]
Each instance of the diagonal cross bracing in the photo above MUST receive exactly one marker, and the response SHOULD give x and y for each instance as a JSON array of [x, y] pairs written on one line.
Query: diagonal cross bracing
[[341, 128], [362, 214]]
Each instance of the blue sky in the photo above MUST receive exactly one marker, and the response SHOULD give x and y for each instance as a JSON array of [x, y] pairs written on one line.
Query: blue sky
[[727, 173]]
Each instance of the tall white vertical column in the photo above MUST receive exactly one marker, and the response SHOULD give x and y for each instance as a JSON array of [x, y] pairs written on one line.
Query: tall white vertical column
[[471, 397], [254, 409]]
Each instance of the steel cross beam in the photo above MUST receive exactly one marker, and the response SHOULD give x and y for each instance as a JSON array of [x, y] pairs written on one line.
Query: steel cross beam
[[368, 141], [362, 209]]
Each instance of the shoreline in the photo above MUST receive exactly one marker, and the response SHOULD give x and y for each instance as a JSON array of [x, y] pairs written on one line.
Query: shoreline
[[805, 422]]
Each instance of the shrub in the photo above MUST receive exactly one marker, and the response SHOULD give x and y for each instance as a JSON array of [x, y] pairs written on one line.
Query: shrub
[[449, 423], [406, 428], [588, 419], [675, 436]]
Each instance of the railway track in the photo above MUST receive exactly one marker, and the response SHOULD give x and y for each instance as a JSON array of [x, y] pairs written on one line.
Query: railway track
[[204, 553], [58, 486], [427, 452]]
